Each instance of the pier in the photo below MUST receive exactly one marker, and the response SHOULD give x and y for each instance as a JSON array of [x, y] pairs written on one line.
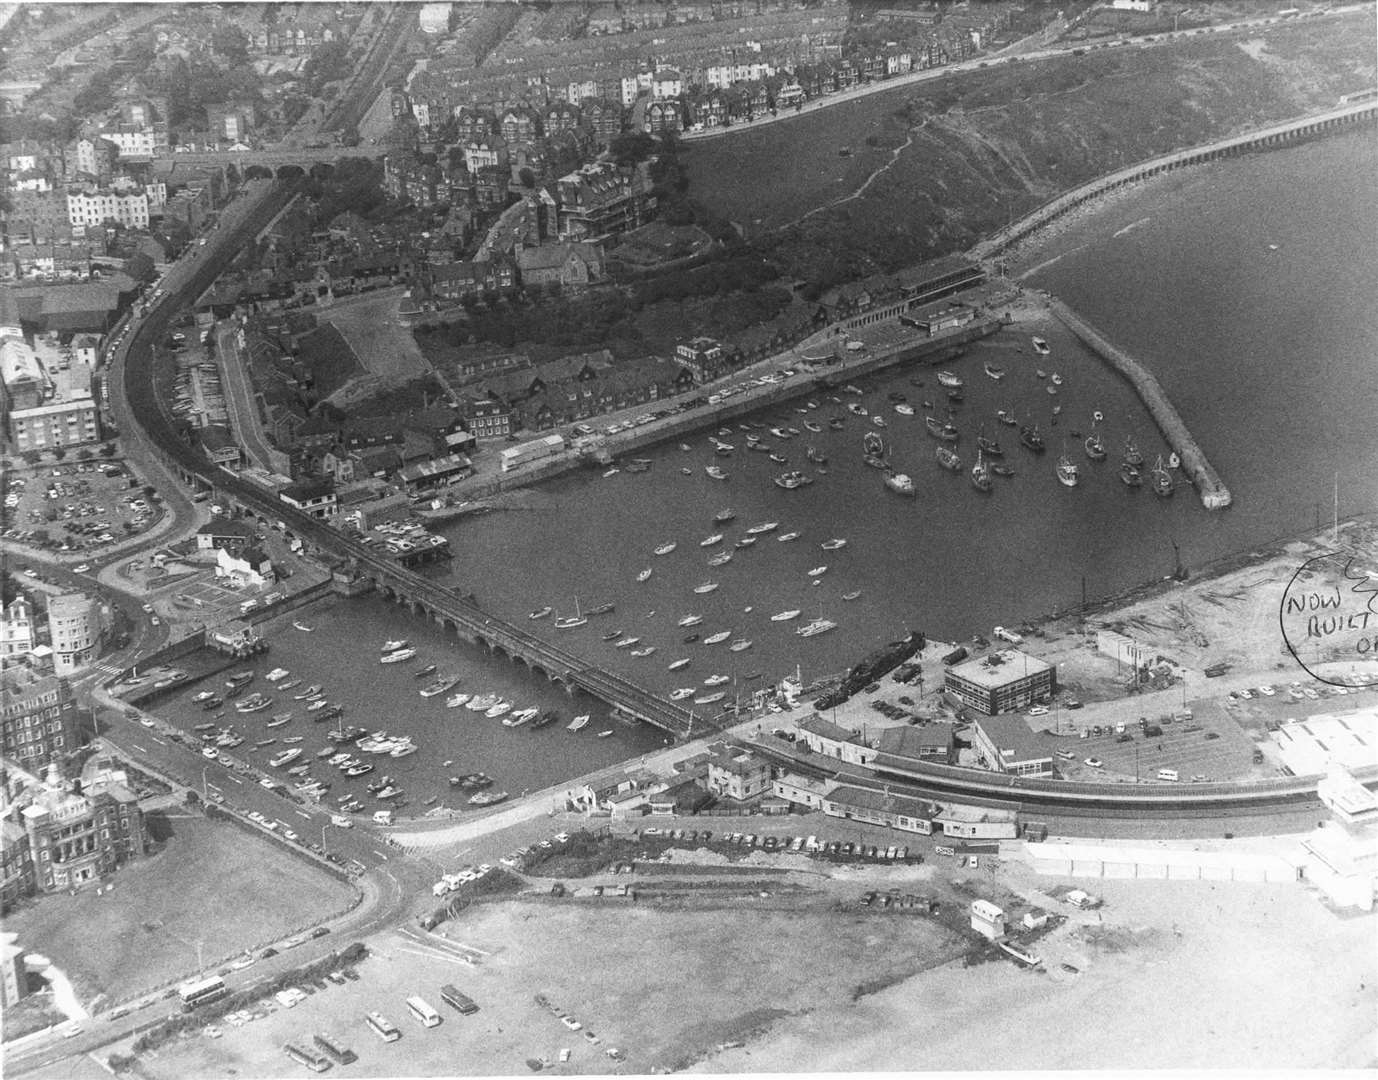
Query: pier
[[1214, 494], [1267, 138]]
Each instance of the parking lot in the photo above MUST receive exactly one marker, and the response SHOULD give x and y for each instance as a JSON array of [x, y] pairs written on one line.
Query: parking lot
[[76, 506]]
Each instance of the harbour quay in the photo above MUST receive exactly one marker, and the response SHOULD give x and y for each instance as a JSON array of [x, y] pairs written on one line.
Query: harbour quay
[[1214, 494]]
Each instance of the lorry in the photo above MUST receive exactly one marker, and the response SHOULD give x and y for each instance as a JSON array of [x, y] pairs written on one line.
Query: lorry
[[1009, 635]]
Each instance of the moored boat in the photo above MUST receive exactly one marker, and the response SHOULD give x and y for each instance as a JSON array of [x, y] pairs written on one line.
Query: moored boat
[[709, 541], [995, 371], [579, 722], [1095, 447], [1066, 471], [721, 635], [1131, 452], [398, 656], [816, 627], [947, 458], [1030, 437], [946, 431], [1130, 475], [785, 616], [1162, 479], [980, 474], [948, 379], [705, 587]]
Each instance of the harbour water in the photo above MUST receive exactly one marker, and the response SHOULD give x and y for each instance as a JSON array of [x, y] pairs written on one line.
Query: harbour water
[[1246, 288]]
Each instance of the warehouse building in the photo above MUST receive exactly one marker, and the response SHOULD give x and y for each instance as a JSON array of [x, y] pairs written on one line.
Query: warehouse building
[[1004, 681]]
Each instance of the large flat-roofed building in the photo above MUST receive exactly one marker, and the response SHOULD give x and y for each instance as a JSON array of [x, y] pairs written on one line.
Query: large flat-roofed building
[[1326, 740], [1007, 744], [39, 718], [62, 423], [1003, 681]]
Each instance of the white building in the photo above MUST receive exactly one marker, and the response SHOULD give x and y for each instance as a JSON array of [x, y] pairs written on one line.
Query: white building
[[131, 206], [1121, 649], [668, 83], [74, 620], [61, 423], [434, 18], [17, 629], [987, 919]]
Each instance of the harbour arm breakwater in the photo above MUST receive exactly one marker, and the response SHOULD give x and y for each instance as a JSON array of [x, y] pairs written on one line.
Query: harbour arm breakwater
[[1214, 494], [1266, 138]]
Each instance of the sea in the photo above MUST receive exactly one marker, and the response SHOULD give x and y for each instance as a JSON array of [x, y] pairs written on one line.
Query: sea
[[1247, 287]]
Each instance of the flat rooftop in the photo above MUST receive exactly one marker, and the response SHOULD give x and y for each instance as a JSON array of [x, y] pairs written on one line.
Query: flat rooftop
[[999, 668]]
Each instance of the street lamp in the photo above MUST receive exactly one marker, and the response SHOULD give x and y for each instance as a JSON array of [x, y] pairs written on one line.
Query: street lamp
[[205, 789]]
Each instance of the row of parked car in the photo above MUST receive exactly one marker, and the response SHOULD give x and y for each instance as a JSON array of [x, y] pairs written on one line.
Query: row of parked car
[[808, 845]]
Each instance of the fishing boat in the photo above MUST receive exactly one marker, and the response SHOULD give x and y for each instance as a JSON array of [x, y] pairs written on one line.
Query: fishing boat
[[721, 635], [835, 544], [454, 701], [678, 664], [1162, 479], [502, 708], [579, 723], [855, 594], [818, 571], [946, 431], [1131, 452], [995, 371], [1006, 417], [785, 538], [763, 527], [709, 699], [716, 680], [740, 645], [875, 461], [569, 622], [980, 474], [666, 548], [705, 587], [947, 378], [242, 678], [1095, 447], [394, 646], [691, 620], [253, 703], [1029, 436], [791, 480], [645, 650], [873, 444], [277, 675], [398, 656], [1056, 379], [1130, 475], [709, 541], [487, 798], [1041, 346], [482, 702], [1066, 471], [816, 627], [720, 559], [439, 686], [745, 542], [904, 409], [989, 447], [715, 472], [422, 672], [947, 458], [522, 716], [539, 613], [785, 616], [626, 642]]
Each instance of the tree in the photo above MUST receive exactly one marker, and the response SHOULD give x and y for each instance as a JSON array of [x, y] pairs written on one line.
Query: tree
[[631, 147], [59, 452], [108, 450], [85, 454], [229, 41], [31, 457]]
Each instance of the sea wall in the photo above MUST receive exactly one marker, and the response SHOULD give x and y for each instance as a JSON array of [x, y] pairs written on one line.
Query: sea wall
[[1214, 494], [1267, 138]]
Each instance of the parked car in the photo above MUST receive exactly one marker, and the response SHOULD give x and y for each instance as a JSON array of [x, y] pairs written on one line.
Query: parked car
[[1095, 763]]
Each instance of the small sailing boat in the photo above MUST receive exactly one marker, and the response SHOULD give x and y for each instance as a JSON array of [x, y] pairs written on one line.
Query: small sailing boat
[[1162, 479], [980, 474]]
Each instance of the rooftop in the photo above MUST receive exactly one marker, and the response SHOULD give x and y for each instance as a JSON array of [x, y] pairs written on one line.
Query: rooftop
[[999, 668], [881, 802], [1014, 739]]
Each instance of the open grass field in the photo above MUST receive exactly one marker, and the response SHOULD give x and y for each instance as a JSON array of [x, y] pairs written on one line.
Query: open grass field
[[664, 987], [212, 883]]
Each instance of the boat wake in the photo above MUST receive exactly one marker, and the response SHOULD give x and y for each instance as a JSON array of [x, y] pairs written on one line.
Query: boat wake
[[1130, 227]]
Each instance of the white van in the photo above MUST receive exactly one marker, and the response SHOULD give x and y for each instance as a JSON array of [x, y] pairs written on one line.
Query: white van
[[382, 817], [1169, 775]]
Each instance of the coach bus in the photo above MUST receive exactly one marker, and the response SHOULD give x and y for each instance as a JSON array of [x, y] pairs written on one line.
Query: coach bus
[[332, 1048], [309, 1056], [419, 1008], [202, 992], [452, 997], [384, 1028]]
